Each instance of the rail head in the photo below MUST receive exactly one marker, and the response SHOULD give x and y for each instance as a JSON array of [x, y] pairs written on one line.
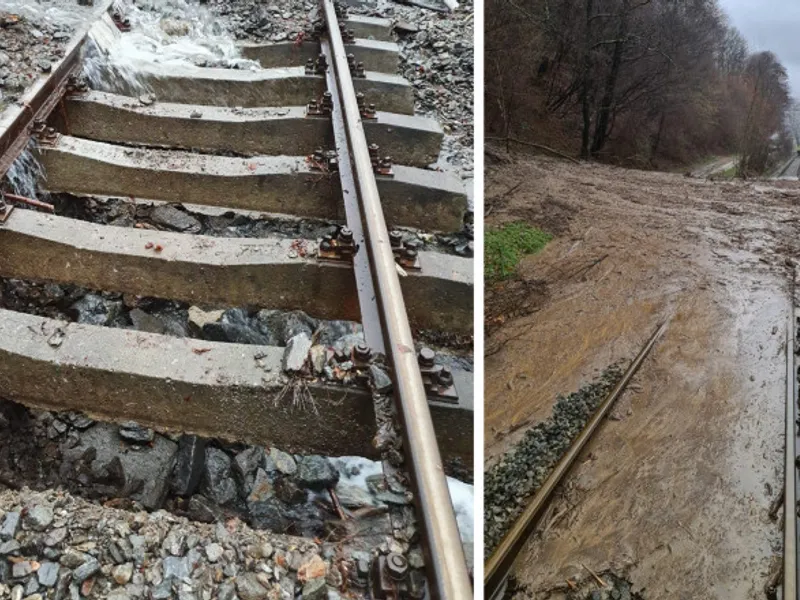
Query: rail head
[[448, 576]]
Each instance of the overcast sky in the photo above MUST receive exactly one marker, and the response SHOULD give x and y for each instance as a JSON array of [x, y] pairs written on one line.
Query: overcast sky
[[770, 25]]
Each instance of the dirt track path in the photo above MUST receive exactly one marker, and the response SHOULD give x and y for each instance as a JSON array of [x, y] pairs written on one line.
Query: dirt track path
[[675, 489]]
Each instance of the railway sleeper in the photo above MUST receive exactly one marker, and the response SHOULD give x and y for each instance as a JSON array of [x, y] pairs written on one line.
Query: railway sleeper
[[288, 86], [409, 140], [375, 28], [234, 392], [273, 272], [412, 197], [379, 56]]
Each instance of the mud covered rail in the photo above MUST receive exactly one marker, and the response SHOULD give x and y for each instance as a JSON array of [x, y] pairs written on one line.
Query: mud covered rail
[[790, 533], [499, 564]]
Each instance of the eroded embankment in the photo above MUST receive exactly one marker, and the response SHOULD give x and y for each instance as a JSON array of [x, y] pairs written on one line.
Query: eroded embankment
[[674, 491]]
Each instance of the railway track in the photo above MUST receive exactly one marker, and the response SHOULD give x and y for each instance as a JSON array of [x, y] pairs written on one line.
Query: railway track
[[308, 136], [501, 561], [789, 587]]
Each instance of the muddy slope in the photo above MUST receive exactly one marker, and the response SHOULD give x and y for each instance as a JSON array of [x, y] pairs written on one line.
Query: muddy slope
[[674, 491]]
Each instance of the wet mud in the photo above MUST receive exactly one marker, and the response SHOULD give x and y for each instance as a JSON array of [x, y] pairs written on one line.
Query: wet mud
[[675, 488]]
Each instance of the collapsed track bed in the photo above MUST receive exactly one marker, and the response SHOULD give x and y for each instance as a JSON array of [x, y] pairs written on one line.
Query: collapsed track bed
[[124, 310]]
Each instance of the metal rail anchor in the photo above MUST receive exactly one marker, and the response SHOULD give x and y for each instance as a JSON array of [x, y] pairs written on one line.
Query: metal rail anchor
[[448, 576]]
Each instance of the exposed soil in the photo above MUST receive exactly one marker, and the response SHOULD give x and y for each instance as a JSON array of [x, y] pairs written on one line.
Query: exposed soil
[[674, 490]]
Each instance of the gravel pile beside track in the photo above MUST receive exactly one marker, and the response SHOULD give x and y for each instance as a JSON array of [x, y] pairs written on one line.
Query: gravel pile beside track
[[58, 546], [510, 483], [28, 48]]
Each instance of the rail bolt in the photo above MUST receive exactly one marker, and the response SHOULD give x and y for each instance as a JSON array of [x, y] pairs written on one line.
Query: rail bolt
[[362, 352], [346, 235], [396, 239], [360, 99], [426, 358], [446, 377], [397, 566], [410, 255]]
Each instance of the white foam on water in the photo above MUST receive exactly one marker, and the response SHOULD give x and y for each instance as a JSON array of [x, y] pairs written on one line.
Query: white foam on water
[[53, 12], [164, 32], [354, 470], [25, 173]]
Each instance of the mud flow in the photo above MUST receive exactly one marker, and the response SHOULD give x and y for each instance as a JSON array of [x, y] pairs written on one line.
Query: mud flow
[[673, 493]]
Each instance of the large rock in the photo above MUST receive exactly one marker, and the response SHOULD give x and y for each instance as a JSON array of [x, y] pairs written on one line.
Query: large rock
[[246, 463], [235, 327], [296, 353], [283, 325], [218, 484], [150, 465], [189, 464], [250, 588], [95, 310], [329, 332], [270, 514], [171, 217], [316, 473]]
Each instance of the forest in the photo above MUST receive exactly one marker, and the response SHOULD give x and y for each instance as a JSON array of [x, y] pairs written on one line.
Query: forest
[[657, 84]]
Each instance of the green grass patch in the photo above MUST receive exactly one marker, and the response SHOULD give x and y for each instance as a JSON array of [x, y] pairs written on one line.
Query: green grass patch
[[505, 247]]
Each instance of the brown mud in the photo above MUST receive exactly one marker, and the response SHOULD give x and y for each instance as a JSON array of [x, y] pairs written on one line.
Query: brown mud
[[675, 488]]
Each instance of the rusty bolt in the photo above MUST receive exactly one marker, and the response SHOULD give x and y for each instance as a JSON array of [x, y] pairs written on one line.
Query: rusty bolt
[[373, 151], [396, 239], [362, 352], [360, 99], [446, 377], [426, 358], [322, 61], [396, 566], [362, 569]]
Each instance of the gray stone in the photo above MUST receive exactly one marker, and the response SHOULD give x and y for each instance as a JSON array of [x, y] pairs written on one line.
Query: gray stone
[[353, 496], [203, 510], [9, 547], [214, 552], [21, 569], [175, 542], [269, 514], [175, 568], [162, 591], [380, 379], [296, 353], [73, 559], [143, 321], [189, 463], [48, 573], [133, 432], [171, 217], [16, 592], [329, 332], [31, 587], [284, 325], [283, 462], [246, 463], [10, 525], [261, 489], [316, 473], [55, 536], [226, 591], [218, 484], [86, 570], [236, 328], [316, 589], [38, 517], [93, 309], [250, 588], [318, 355], [151, 465]]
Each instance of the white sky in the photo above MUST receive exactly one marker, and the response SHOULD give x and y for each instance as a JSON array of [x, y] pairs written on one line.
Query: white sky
[[770, 25]]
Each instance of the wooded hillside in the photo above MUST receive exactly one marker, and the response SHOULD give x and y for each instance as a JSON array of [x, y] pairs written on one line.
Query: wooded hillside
[[648, 83]]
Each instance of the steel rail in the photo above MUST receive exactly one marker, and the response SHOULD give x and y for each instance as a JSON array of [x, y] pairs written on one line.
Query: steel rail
[[790, 545], [502, 559], [448, 576], [367, 298]]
